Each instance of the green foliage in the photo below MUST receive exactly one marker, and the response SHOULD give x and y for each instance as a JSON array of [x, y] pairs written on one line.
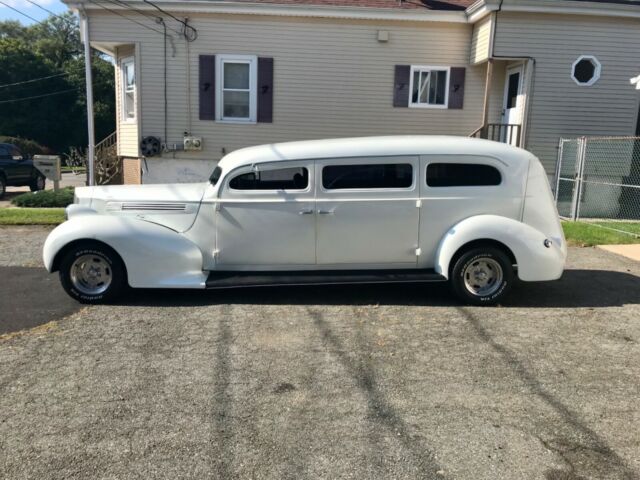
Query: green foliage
[[31, 216], [45, 199], [26, 146], [41, 50]]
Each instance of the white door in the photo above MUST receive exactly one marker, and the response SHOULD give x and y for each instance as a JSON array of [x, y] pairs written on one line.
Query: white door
[[266, 218], [366, 212], [513, 105]]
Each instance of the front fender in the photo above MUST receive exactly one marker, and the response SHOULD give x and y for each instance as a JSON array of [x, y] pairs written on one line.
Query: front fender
[[154, 256], [535, 261]]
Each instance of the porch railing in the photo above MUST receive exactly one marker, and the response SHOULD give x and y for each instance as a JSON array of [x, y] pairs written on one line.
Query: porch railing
[[108, 166], [500, 132]]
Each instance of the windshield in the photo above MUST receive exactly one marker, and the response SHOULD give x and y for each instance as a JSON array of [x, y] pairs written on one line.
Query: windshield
[[215, 176]]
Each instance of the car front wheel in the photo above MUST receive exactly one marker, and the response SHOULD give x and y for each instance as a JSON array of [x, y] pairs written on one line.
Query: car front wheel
[[482, 276], [92, 273], [3, 186]]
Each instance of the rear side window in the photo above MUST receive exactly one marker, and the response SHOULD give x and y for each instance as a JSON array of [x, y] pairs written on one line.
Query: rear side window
[[278, 179], [391, 175], [462, 175]]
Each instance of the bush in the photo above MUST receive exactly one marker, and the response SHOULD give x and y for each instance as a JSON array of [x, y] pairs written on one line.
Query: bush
[[27, 147], [45, 198]]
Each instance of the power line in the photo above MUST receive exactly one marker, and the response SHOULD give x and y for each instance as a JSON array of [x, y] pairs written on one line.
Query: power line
[[38, 96], [33, 80], [21, 13], [50, 12], [194, 32], [125, 17], [156, 19]]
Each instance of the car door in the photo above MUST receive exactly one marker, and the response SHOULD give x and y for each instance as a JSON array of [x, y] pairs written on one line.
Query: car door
[[265, 217], [367, 212], [22, 167]]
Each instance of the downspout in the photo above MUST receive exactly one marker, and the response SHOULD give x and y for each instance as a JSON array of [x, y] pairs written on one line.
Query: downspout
[[84, 20]]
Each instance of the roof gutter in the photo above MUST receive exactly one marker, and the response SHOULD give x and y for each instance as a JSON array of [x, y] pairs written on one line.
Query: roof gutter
[[482, 8], [309, 11]]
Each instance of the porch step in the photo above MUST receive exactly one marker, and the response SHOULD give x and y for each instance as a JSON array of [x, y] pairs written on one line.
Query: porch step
[[218, 280]]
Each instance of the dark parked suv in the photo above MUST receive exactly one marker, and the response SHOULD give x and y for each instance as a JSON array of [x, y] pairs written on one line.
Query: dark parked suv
[[16, 170]]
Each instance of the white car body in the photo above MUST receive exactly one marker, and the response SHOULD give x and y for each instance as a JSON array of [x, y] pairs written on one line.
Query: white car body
[[175, 236]]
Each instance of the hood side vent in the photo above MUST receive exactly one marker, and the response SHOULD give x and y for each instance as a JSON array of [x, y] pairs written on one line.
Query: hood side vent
[[160, 207]]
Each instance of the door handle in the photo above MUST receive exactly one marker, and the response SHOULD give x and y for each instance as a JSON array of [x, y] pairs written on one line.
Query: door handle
[[325, 212], [306, 212]]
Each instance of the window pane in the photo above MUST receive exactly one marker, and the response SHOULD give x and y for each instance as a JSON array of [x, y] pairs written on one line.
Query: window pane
[[129, 104], [514, 89], [129, 75], [280, 179], [416, 86], [397, 175], [584, 71], [425, 79], [462, 175], [437, 87], [236, 105], [236, 75]]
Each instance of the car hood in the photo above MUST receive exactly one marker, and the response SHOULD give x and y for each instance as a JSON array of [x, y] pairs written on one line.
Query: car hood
[[173, 205]]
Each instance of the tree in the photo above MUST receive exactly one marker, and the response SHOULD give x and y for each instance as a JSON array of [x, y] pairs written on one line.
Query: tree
[[57, 118]]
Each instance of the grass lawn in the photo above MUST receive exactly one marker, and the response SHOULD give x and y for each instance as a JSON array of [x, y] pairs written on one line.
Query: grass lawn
[[589, 234], [31, 216]]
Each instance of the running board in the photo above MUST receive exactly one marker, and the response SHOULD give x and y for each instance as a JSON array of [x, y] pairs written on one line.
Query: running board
[[319, 277]]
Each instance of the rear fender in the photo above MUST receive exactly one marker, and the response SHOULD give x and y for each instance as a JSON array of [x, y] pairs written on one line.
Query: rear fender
[[154, 256], [535, 261]]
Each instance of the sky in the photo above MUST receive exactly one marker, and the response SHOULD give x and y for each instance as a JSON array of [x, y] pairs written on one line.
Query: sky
[[6, 13]]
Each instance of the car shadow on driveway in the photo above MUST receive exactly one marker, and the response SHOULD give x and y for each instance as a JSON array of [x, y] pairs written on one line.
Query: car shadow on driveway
[[577, 288]]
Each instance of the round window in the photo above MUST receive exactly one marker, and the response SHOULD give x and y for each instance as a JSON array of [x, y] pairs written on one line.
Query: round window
[[586, 70]]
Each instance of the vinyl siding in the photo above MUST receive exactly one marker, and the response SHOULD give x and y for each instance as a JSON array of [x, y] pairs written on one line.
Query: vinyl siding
[[560, 107], [481, 40], [128, 138], [331, 78]]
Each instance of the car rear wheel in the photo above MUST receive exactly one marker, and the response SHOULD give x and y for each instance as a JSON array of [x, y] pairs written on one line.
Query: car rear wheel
[[482, 276], [92, 273], [38, 183], [3, 186]]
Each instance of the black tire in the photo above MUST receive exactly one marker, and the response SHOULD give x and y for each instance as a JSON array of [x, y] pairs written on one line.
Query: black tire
[[3, 186], [108, 263], [37, 183], [467, 278]]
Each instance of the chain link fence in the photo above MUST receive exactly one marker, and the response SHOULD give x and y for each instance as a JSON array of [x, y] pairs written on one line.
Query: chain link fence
[[598, 178]]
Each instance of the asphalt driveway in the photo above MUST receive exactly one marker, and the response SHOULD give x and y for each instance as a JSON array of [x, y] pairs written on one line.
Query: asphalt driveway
[[322, 382]]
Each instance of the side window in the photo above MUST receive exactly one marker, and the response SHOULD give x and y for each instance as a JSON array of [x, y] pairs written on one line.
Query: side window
[[16, 154], [391, 175], [128, 89], [279, 179], [462, 175]]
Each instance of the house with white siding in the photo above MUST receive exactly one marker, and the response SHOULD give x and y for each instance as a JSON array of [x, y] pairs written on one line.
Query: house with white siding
[[197, 79]]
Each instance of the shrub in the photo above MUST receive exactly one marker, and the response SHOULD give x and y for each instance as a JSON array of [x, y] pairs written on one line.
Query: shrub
[[27, 147], [45, 198]]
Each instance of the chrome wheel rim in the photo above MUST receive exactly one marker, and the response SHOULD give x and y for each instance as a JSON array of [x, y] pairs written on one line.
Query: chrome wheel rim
[[483, 277], [91, 274]]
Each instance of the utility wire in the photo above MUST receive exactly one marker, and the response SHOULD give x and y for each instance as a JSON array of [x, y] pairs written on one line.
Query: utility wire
[[21, 13], [33, 80], [52, 13], [124, 16], [189, 37], [38, 96], [155, 18]]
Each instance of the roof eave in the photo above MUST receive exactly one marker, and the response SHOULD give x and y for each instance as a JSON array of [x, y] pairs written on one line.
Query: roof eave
[[313, 11]]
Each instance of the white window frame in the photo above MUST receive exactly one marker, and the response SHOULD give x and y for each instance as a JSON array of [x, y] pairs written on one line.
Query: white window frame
[[252, 61], [123, 89], [429, 68], [596, 71]]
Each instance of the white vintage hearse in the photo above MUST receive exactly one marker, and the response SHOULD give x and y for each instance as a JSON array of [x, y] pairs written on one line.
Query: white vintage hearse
[[359, 210]]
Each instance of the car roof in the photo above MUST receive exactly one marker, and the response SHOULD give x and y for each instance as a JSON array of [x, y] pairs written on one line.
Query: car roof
[[374, 147]]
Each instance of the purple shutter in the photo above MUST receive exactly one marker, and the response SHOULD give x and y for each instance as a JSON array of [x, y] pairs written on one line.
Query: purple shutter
[[207, 87], [401, 86], [456, 87], [265, 90]]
